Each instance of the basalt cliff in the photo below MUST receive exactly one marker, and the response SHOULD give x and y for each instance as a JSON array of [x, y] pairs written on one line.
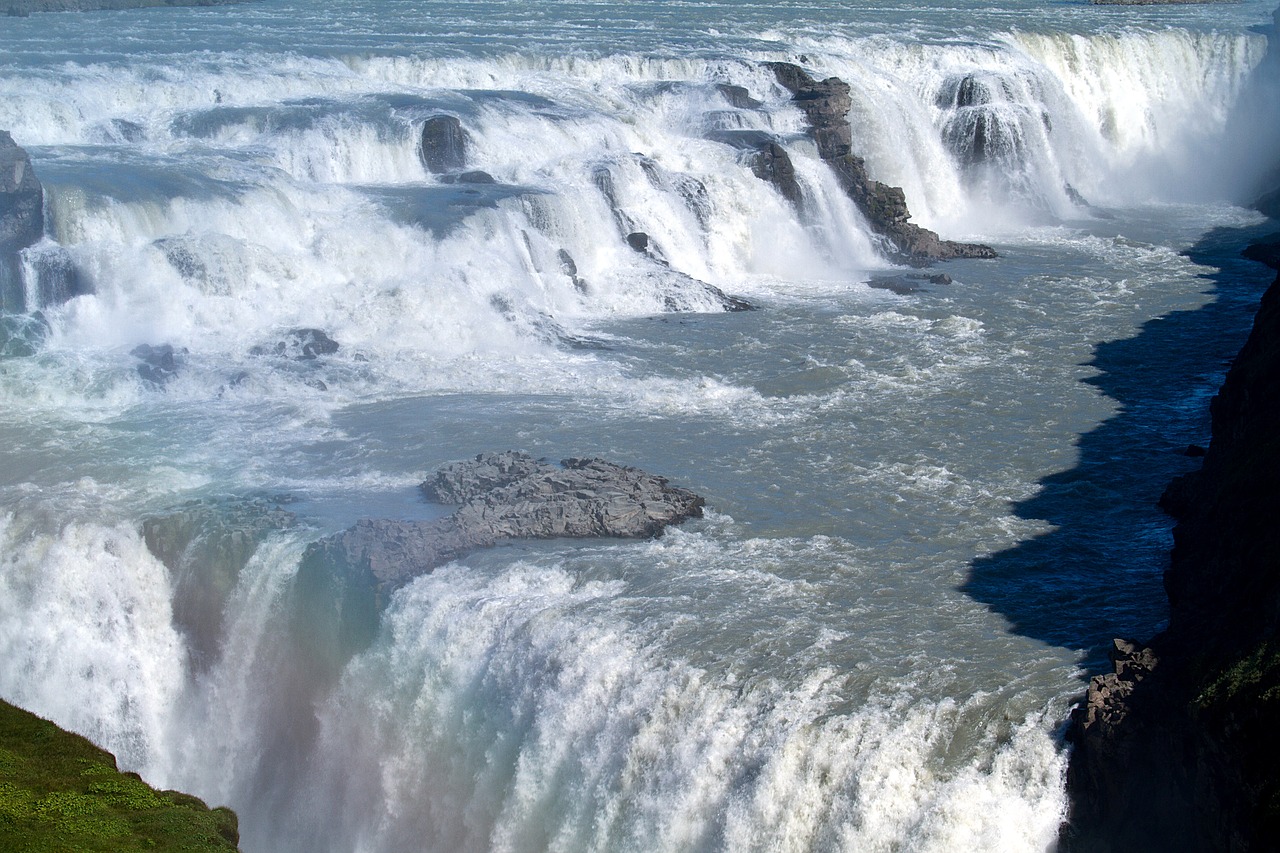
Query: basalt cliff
[[1176, 749]]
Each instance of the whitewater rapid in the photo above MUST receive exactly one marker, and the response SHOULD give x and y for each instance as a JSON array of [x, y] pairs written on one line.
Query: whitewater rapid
[[811, 667]]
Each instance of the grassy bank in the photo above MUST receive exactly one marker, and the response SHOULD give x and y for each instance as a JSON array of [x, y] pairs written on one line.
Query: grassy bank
[[61, 794]]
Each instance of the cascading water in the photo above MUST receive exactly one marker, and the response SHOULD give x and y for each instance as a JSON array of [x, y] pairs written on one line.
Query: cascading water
[[800, 670]]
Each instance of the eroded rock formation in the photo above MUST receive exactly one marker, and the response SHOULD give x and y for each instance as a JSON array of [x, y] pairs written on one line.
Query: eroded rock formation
[[826, 105]]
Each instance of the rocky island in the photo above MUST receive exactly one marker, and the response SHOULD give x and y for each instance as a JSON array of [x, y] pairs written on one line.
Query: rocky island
[[502, 497]]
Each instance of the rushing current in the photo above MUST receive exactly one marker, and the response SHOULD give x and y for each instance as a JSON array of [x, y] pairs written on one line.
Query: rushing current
[[929, 507]]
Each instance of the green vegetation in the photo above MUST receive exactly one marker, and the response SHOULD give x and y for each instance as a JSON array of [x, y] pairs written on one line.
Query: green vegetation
[[61, 794], [1254, 679]]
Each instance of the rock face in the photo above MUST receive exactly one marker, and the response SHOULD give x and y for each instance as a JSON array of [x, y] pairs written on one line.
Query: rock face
[[772, 163], [826, 105], [21, 218], [1176, 749], [21, 197]]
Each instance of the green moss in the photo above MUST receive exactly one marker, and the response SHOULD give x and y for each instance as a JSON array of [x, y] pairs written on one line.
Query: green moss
[[61, 794], [1253, 679]]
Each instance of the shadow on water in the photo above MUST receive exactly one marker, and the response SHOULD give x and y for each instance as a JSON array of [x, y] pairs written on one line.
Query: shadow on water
[[1097, 575]]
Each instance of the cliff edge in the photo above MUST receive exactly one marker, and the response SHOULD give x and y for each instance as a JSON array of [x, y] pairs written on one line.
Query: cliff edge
[[1175, 750], [59, 792]]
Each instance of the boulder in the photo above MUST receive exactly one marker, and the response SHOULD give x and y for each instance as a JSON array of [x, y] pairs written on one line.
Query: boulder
[[738, 97], [444, 144]]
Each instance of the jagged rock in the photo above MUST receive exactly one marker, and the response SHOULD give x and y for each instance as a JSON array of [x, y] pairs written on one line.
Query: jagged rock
[[299, 344], [459, 482], [159, 363], [21, 219], [503, 497], [772, 163], [570, 268], [1106, 703], [826, 105], [444, 144], [21, 198], [738, 97]]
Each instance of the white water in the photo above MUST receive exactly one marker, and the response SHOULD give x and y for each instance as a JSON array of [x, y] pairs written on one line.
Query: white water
[[803, 670]]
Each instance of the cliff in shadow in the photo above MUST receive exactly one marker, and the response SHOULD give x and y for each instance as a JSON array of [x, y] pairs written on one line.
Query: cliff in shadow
[[1097, 573], [1175, 748]]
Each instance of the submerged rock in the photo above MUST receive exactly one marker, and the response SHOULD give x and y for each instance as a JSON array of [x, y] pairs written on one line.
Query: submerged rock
[[908, 284], [474, 177], [159, 363], [22, 335], [826, 105], [304, 344]]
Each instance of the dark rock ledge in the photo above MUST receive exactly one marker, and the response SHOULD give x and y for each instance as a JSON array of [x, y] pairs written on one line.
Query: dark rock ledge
[[503, 497], [826, 104], [22, 8], [1176, 750]]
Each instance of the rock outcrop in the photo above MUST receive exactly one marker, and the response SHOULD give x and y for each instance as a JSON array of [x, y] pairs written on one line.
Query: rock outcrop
[[504, 497], [826, 105], [1175, 750], [509, 496], [21, 218]]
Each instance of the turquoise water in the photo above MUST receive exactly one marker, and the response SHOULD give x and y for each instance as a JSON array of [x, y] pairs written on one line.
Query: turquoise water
[[928, 512]]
